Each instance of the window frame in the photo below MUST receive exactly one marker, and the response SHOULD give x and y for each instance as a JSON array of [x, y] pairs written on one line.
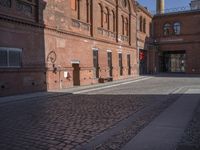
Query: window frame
[[177, 22], [141, 23], [3, 6], [169, 29], [7, 49], [144, 25]]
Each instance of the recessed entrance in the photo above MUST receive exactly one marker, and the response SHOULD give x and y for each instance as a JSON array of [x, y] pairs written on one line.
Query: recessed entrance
[[129, 64], [143, 61], [173, 61], [76, 74], [110, 64]]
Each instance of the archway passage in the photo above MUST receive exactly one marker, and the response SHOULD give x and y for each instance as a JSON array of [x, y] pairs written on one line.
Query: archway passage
[[174, 61]]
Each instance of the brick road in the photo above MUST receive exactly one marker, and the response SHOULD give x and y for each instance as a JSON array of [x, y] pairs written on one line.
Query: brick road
[[71, 121]]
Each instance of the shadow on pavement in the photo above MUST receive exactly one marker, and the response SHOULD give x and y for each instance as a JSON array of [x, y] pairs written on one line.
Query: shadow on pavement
[[69, 121]]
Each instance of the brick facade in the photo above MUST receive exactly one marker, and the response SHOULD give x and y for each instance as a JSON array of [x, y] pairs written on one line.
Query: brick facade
[[64, 43], [188, 40], [54, 35]]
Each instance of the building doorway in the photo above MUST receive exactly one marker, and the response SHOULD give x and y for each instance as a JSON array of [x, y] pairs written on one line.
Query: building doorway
[[174, 62], [143, 61], [96, 63], [129, 64], [76, 74], [110, 64], [120, 64]]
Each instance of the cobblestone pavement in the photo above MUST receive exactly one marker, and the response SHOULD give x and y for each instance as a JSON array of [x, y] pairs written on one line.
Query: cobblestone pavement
[[118, 140], [71, 121], [191, 138]]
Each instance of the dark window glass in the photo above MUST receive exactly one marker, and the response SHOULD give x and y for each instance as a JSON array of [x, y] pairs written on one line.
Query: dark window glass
[[177, 28], [14, 58], [10, 57], [3, 58], [120, 64], [167, 28], [24, 7], [5, 3], [96, 63], [144, 25], [129, 64], [110, 63], [141, 24]]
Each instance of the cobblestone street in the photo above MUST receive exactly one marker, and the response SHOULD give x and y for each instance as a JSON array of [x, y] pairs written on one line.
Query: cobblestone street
[[72, 121]]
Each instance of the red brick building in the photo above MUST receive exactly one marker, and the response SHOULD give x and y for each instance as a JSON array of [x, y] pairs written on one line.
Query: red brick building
[[55, 44], [178, 38], [144, 37], [47, 45], [173, 43]]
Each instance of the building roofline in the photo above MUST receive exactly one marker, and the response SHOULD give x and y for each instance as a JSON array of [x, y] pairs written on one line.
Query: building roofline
[[145, 10], [177, 13]]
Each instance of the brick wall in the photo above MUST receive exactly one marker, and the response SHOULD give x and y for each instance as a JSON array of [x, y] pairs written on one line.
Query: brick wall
[[187, 41]]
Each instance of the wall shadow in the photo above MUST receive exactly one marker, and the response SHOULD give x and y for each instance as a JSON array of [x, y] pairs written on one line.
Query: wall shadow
[[22, 28]]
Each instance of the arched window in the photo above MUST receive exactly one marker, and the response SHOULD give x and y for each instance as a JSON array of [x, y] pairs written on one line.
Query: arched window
[[166, 29], [177, 28], [126, 27], [122, 25], [141, 23], [114, 21], [101, 15], [144, 25], [78, 9], [81, 10], [106, 21], [88, 11]]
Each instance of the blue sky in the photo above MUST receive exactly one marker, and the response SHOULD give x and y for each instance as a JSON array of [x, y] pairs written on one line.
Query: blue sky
[[151, 4]]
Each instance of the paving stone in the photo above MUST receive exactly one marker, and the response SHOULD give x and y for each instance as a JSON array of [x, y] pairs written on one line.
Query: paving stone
[[74, 120]]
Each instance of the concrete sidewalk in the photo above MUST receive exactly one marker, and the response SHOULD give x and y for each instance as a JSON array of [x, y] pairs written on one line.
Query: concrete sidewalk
[[73, 90], [167, 129]]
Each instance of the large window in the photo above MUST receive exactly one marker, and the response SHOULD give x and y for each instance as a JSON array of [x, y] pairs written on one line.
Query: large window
[[106, 19], [10, 57], [177, 28], [113, 21], [5, 3], [26, 8], [126, 27], [141, 23], [167, 28], [101, 15], [144, 25], [122, 25]]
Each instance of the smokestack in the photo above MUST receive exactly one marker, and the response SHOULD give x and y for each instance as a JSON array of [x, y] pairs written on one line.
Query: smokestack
[[160, 6]]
